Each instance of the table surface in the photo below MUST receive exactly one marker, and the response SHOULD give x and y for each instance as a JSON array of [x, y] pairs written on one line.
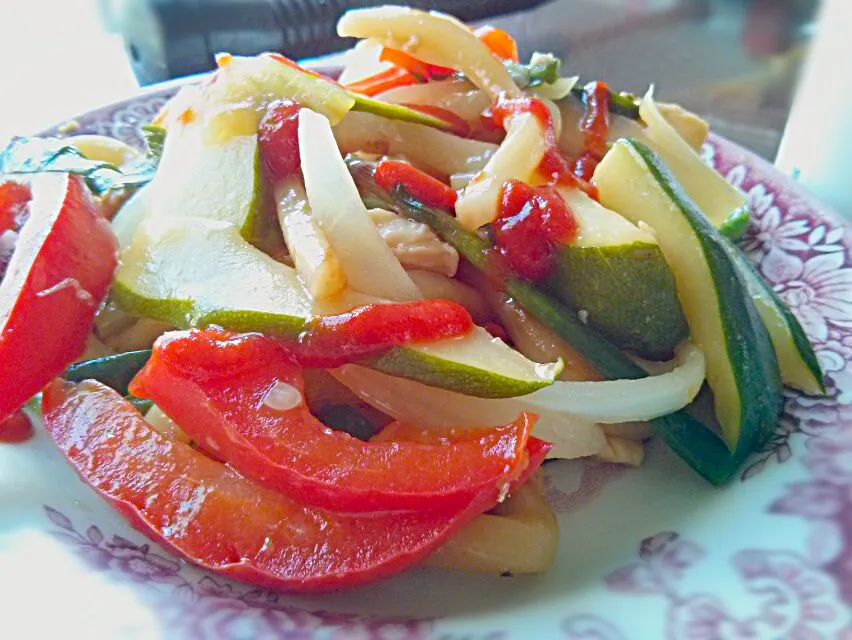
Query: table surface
[[734, 62]]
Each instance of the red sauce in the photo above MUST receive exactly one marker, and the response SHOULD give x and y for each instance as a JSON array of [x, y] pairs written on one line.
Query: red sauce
[[428, 190], [369, 331], [533, 223], [16, 428], [278, 139], [554, 167], [595, 127], [14, 211]]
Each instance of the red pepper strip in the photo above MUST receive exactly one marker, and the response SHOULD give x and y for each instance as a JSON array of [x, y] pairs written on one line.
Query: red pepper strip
[[594, 126], [60, 272], [212, 516], [501, 43], [278, 140], [554, 167], [371, 330], [405, 432], [14, 211], [382, 81], [413, 65], [14, 198], [285, 448], [16, 428], [428, 190]]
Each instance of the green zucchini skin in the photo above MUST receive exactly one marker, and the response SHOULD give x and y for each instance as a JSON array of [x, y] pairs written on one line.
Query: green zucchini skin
[[796, 357], [639, 313], [749, 351], [114, 371]]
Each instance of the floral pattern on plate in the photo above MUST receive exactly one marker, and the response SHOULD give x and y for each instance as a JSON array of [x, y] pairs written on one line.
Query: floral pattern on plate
[[801, 590]]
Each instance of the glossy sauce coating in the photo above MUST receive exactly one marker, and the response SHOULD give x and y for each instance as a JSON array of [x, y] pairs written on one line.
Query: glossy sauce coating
[[533, 223], [595, 127]]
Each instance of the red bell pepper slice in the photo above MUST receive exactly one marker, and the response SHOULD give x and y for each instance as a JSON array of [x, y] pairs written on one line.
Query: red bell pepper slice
[[371, 330], [382, 81], [212, 516], [501, 43], [403, 432], [14, 198], [413, 65], [278, 140], [428, 190], [61, 270], [14, 210], [215, 386]]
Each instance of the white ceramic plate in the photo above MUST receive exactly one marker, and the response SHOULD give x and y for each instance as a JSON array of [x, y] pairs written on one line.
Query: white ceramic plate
[[645, 553]]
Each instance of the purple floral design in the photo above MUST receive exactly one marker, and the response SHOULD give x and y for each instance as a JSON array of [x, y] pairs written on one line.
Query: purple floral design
[[588, 627], [120, 121], [213, 608], [825, 500], [791, 598]]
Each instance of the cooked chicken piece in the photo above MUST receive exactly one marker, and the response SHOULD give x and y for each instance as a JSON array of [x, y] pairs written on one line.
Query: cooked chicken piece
[[414, 244]]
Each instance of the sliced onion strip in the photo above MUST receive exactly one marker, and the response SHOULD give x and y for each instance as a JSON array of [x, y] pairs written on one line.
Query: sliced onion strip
[[613, 401]]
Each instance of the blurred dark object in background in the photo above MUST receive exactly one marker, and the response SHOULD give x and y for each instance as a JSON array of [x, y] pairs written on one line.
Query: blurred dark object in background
[[171, 38], [735, 62]]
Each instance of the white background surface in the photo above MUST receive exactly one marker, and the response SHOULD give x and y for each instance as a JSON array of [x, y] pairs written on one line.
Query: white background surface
[[56, 60]]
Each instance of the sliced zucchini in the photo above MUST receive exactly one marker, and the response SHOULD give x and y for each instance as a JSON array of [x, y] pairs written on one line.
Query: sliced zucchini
[[723, 204], [243, 81], [796, 357], [615, 274], [742, 369], [219, 180], [193, 272]]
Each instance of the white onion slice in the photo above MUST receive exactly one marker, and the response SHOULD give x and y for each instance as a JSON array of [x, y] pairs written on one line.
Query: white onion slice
[[516, 159], [626, 400], [365, 258], [429, 407], [362, 61]]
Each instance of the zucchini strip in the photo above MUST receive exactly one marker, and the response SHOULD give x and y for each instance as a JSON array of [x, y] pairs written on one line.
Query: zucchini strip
[[114, 371], [742, 368]]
